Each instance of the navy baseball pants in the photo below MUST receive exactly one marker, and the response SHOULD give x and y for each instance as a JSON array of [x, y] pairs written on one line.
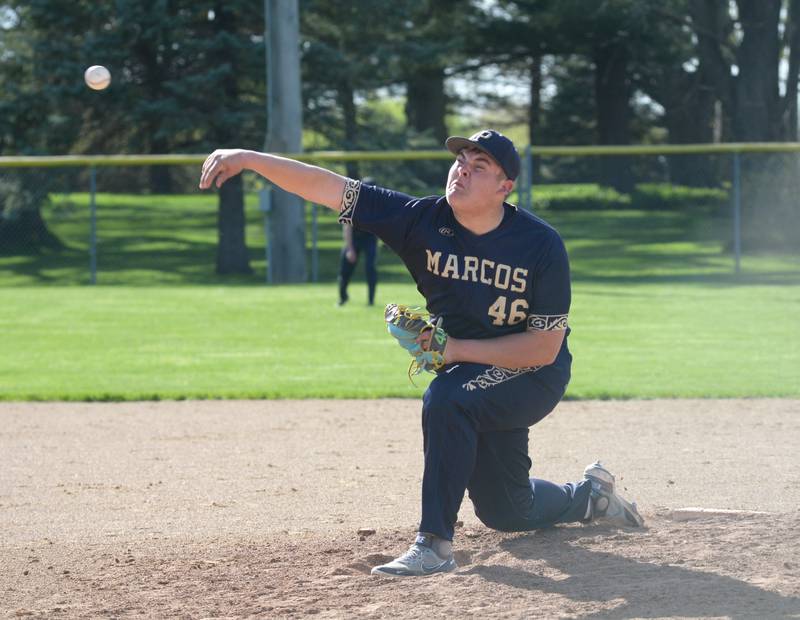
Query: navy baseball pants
[[368, 244], [475, 421]]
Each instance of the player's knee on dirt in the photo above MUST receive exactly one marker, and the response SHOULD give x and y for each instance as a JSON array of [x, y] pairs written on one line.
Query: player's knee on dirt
[[491, 519], [497, 509]]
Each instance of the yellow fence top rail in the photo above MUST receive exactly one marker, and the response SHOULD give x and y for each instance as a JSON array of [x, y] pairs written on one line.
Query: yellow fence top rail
[[338, 156]]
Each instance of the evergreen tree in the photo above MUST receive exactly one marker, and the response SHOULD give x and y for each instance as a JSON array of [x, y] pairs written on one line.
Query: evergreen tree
[[187, 76], [347, 51]]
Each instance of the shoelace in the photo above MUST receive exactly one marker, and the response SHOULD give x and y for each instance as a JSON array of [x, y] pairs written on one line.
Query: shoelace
[[414, 551]]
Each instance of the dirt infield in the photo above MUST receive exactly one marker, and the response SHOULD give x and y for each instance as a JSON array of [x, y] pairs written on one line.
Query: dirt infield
[[252, 509]]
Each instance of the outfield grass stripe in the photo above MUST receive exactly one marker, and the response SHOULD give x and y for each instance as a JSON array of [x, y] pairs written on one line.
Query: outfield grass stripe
[[657, 311], [293, 342]]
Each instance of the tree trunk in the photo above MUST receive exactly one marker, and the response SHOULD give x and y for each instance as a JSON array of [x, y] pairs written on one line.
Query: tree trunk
[[27, 233], [612, 92], [22, 227], [232, 254], [535, 111], [426, 106], [160, 176], [426, 103], [789, 104], [690, 100], [767, 201], [711, 24], [757, 99], [689, 117]]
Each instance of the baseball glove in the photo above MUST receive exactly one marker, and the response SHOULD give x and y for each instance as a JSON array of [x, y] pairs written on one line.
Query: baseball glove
[[406, 324]]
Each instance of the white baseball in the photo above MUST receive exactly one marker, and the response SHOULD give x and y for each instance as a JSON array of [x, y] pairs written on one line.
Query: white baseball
[[97, 77]]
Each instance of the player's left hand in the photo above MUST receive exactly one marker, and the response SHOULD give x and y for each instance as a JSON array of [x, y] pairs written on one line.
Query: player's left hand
[[416, 333]]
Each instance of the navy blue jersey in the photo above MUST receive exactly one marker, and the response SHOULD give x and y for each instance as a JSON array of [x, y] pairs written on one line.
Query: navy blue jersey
[[362, 235], [513, 278]]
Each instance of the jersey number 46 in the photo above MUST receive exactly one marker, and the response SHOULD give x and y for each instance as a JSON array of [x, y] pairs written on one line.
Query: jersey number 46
[[517, 312]]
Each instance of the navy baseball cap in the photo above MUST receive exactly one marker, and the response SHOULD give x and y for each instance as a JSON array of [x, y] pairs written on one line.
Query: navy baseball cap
[[494, 144]]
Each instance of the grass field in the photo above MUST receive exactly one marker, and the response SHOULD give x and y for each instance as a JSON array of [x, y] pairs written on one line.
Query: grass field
[[657, 311]]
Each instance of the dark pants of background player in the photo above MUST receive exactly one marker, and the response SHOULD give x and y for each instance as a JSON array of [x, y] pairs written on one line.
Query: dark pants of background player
[[477, 440], [368, 245]]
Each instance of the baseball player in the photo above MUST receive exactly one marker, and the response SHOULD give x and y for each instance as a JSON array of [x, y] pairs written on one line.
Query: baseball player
[[496, 280], [357, 241]]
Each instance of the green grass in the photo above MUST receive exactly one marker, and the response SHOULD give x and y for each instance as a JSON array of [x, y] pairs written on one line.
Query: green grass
[[204, 342], [657, 312]]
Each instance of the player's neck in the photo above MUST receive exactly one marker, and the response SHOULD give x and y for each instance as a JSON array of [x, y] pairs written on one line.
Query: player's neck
[[482, 221]]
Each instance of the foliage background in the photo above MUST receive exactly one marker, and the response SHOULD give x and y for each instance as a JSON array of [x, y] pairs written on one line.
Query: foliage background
[[658, 310]]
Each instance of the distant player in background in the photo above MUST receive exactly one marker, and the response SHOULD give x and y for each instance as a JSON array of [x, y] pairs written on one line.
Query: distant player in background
[[357, 241], [496, 280]]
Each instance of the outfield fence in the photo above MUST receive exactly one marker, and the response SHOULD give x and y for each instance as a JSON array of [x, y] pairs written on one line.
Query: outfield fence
[[132, 219]]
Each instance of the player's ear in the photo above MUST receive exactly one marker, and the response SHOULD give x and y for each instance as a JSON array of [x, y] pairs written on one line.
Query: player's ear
[[507, 186]]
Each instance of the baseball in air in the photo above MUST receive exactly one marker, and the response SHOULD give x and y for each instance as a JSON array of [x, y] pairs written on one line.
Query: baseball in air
[[97, 77]]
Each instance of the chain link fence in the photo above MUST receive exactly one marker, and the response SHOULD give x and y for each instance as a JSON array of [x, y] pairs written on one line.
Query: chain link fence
[[688, 215]]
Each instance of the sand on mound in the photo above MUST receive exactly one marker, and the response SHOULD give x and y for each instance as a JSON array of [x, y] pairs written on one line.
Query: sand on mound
[[242, 509]]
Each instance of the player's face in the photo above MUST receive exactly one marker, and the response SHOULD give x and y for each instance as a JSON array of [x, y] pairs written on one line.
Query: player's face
[[476, 181]]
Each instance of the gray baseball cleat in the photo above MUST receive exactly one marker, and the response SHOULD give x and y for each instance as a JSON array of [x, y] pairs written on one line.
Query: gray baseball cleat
[[605, 502], [418, 561]]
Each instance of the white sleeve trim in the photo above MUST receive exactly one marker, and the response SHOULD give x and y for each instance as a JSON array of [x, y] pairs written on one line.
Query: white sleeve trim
[[349, 199]]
